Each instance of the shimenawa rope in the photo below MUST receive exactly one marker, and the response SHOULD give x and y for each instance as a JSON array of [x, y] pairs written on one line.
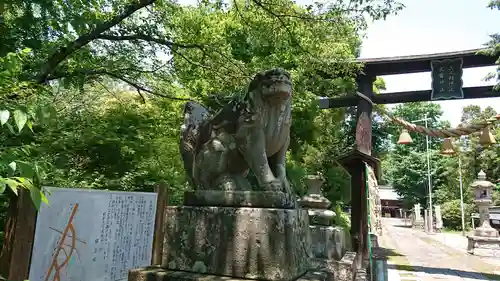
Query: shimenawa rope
[[439, 133]]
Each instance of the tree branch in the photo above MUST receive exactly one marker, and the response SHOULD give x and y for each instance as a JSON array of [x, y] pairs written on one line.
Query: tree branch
[[148, 38], [138, 87], [60, 55]]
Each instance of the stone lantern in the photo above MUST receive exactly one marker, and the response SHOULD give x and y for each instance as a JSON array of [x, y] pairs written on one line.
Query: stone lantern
[[483, 190], [485, 240], [329, 243], [316, 203]]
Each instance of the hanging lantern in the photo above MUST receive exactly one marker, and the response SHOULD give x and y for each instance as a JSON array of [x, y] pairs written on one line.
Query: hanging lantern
[[486, 137], [447, 147], [404, 138]]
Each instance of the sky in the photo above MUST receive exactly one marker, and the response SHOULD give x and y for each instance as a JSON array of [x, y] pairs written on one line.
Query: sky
[[432, 26]]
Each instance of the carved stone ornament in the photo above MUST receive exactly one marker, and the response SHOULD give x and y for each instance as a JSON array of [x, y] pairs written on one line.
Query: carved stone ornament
[[251, 132]]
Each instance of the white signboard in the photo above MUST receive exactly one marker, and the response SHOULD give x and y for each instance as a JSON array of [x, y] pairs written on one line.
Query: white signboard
[[92, 235]]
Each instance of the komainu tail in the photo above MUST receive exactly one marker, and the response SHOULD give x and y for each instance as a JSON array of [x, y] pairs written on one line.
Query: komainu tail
[[194, 116]]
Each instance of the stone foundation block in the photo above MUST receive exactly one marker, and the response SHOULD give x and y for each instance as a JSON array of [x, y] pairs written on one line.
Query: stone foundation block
[[418, 224], [250, 243], [346, 267], [484, 246], [329, 242], [361, 275], [328, 267], [160, 274]]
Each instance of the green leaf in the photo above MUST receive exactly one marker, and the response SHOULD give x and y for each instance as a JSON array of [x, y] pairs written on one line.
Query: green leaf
[[13, 166], [26, 170], [37, 177], [13, 185], [4, 116], [2, 186], [44, 198], [30, 126], [36, 197], [11, 129], [20, 118]]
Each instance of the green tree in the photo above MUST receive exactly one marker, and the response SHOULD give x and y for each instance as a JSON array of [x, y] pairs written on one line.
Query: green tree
[[494, 43], [405, 167], [452, 214], [85, 58]]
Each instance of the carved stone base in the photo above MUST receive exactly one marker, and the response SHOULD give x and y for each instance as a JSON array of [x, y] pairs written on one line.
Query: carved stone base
[[159, 274], [256, 199], [484, 246], [487, 231], [321, 217], [251, 243], [329, 242]]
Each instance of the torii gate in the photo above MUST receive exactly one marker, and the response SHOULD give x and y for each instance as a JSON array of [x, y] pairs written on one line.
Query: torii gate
[[446, 71]]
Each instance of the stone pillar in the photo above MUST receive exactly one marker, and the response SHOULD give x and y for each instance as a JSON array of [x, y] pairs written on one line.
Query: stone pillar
[[329, 243], [485, 240], [439, 219], [426, 220], [418, 221]]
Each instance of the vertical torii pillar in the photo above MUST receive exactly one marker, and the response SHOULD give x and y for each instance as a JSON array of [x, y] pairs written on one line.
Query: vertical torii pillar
[[354, 163]]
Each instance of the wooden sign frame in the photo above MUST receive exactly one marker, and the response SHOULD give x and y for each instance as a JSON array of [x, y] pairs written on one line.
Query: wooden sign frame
[[16, 254]]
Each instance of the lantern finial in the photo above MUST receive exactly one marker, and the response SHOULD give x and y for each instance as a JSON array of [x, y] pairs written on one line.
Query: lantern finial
[[481, 175]]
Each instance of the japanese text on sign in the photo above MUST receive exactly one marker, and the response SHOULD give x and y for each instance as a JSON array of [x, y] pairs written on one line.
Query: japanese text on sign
[[447, 79], [93, 234]]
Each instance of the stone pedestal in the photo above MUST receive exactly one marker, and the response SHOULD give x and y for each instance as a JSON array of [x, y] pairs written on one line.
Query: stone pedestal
[[483, 246], [251, 243], [156, 273], [234, 235], [485, 240]]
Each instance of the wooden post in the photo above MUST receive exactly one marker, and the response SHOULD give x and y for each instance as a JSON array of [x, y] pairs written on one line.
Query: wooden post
[[15, 257], [364, 115], [364, 145], [161, 204], [354, 163]]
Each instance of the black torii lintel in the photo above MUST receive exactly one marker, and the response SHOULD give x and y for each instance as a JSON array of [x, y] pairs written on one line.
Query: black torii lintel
[[422, 63], [412, 64]]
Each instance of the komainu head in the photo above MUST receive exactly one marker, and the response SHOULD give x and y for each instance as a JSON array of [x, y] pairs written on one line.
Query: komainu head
[[273, 86]]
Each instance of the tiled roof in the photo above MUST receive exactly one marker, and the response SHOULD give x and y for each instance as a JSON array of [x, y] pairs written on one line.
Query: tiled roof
[[387, 193]]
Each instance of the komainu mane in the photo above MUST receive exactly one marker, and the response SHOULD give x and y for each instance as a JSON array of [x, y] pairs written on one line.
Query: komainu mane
[[249, 133]]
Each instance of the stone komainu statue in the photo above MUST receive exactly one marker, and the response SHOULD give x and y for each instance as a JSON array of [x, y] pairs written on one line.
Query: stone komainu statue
[[251, 132]]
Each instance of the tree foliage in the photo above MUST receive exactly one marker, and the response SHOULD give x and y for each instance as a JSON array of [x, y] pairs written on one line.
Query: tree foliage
[[98, 86], [494, 44], [405, 167]]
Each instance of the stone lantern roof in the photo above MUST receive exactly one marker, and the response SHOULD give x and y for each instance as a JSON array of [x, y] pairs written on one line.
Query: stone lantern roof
[[481, 181]]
